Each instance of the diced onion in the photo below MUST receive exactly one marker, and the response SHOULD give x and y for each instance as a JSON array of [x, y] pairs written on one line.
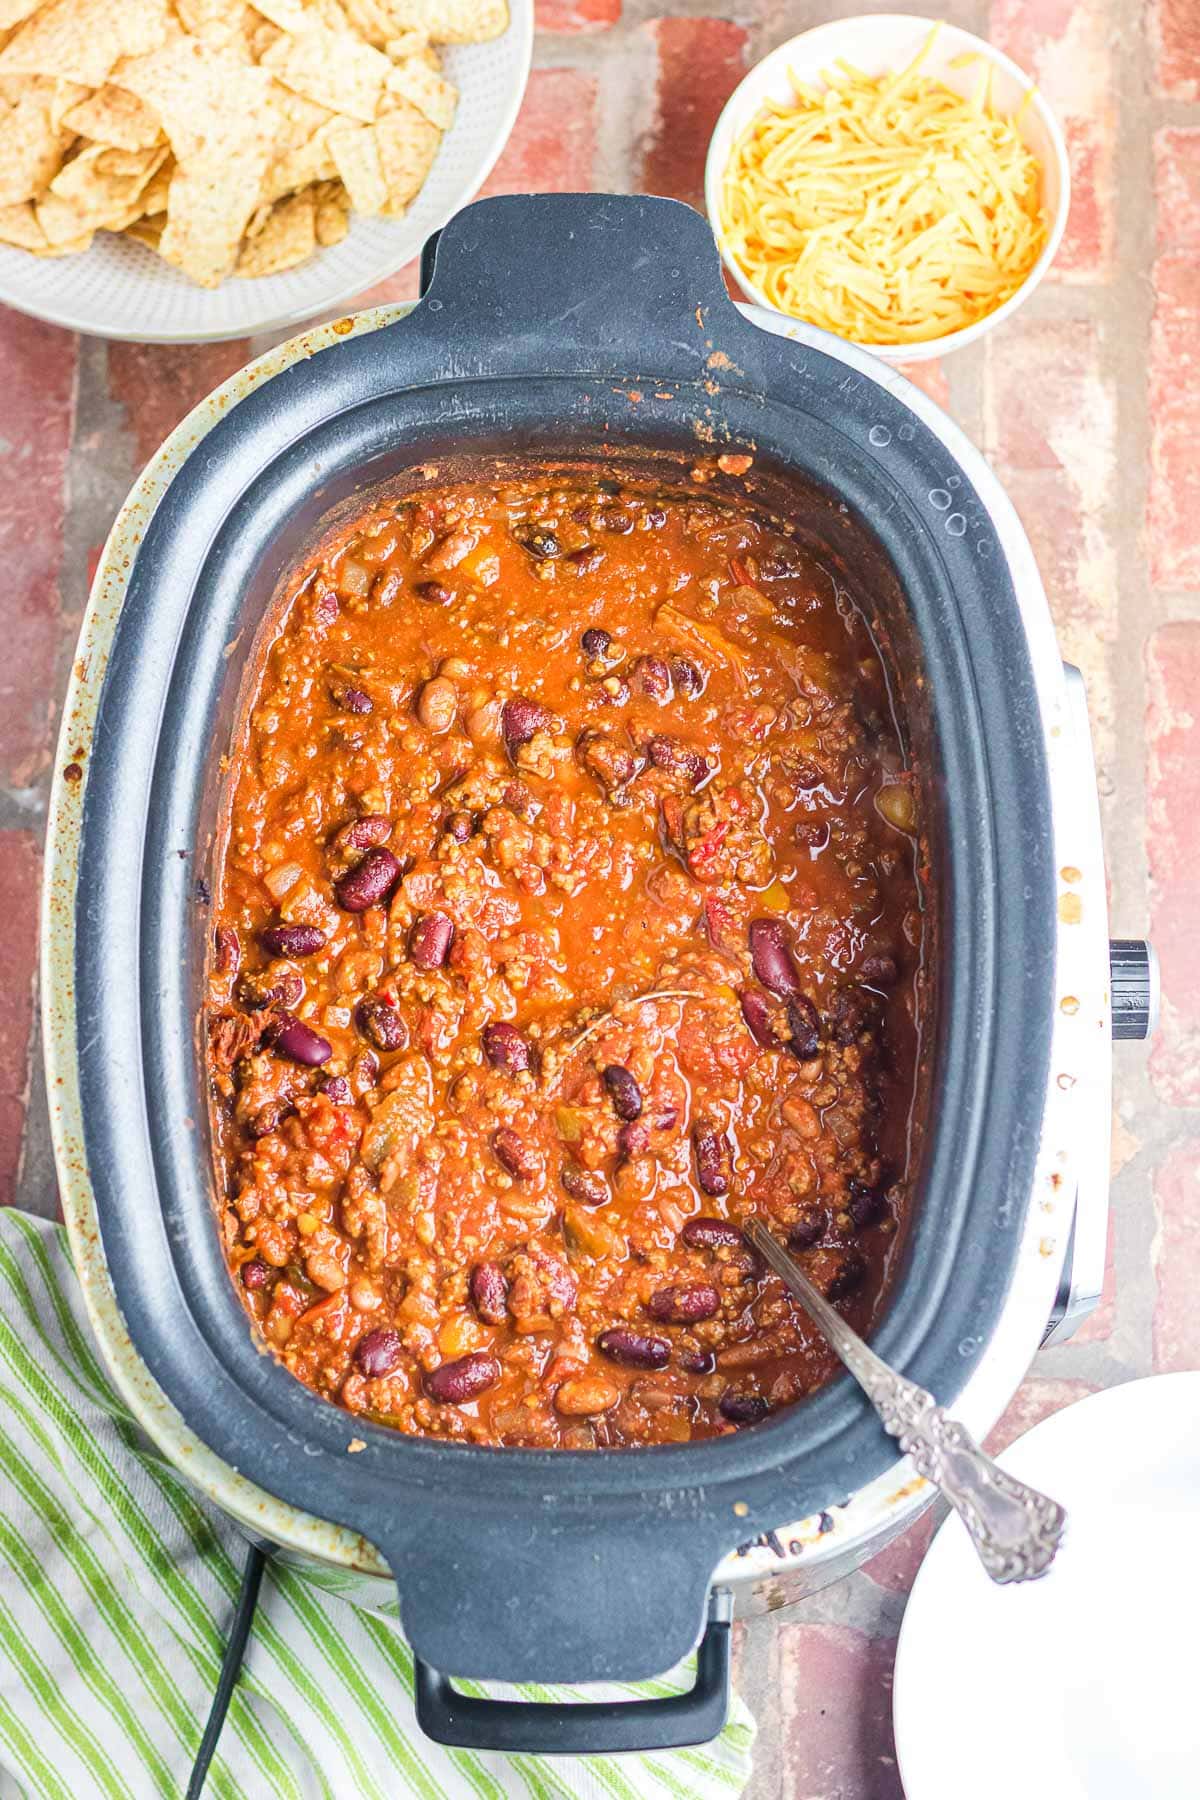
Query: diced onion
[[281, 879]]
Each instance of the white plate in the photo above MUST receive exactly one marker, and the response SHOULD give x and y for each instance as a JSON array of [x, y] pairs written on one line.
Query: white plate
[[1080, 1686], [119, 289], [875, 43]]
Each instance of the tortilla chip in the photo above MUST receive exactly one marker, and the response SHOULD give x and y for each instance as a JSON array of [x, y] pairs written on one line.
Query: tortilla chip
[[81, 40], [453, 21], [31, 145], [19, 226], [405, 44], [101, 184], [147, 231], [356, 155], [333, 213], [407, 146], [332, 68], [113, 115], [287, 238], [415, 81], [12, 12], [221, 24], [155, 194], [306, 163], [298, 16], [371, 19]]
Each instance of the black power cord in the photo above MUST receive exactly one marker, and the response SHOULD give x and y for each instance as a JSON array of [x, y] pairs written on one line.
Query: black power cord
[[231, 1664]]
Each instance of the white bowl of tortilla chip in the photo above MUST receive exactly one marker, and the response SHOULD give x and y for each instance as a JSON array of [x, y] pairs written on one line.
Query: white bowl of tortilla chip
[[214, 169]]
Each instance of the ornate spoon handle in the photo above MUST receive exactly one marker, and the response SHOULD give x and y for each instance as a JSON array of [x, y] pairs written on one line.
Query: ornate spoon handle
[[1015, 1529]]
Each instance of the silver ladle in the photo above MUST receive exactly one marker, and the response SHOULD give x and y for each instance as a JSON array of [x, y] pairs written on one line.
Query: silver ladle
[[1015, 1529]]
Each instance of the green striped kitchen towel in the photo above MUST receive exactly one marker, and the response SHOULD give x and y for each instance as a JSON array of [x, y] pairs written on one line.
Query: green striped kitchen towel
[[117, 1586]]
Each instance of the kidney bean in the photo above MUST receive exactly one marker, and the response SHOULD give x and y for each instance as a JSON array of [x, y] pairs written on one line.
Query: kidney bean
[[756, 1010], [704, 1233], [651, 676], [613, 764], [881, 971], [595, 641], [489, 1293], [714, 1159], [540, 542], [297, 1041], [697, 1362], [457, 1382], [585, 1185], [743, 1409], [378, 1353], [518, 1157], [360, 834], [430, 939], [460, 826], [684, 1305], [325, 608], [686, 676], [293, 940], [808, 1229], [337, 1088], [586, 560], [255, 1274], [229, 950], [772, 958], [382, 1025], [369, 882], [506, 1048], [835, 1272], [866, 1206], [521, 719], [676, 758], [286, 991], [433, 593], [623, 1091], [804, 1024], [437, 705], [614, 518], [853, 1012], [633, 1139], [635, 1348], [267, 1119], [654, 518], [353, 700]]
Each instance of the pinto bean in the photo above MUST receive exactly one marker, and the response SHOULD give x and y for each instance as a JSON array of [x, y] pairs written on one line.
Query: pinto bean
[[521, 719], [804, 1024], [255, 1274], [454, 1383], [460, 826], [616, 519], [585, 1185], [293, 940], [635, 1348], [623, 1091], [772, 958], [714, 1159], [684, 1305], [595, 641], [378, 1353], [743, 1409], [297, 1041], [369, 882], [585, 1396], [430, 939], [434, 593], [704, 1233], [437, 705], [506, 1048], [382, 1025], [489, 1293], [540, 542], [514, 1154]]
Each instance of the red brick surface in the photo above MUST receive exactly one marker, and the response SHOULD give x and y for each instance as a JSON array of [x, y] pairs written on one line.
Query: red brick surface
[[835, 1697], [37, 385], [1175, 34], [1174, 497], [700, 62], [1173, 853], [576, 15], [20, 864], [1177, 1260], [1067, 46], [158, 384]]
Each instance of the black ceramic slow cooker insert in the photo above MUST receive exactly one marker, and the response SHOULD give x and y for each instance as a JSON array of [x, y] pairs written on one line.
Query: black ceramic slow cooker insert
[[567, 329]]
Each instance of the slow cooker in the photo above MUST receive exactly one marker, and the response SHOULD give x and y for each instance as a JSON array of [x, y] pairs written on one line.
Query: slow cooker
[[561, 329]]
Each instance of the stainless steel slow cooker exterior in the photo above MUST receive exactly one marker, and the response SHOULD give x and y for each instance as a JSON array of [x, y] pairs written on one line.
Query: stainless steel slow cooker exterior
[[1073, 1118]]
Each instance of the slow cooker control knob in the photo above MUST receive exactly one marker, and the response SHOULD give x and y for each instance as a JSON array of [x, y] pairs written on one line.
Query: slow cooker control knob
[[1134, 987]]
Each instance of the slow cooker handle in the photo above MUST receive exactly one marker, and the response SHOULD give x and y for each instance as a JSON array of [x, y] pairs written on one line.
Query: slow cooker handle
[[586, 1727]]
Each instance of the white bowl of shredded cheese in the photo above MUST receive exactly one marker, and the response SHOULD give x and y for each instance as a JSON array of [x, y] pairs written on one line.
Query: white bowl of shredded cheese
[[896, 181]]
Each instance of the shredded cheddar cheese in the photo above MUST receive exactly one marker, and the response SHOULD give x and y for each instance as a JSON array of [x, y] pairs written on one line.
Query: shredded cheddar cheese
[[889, 210]]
